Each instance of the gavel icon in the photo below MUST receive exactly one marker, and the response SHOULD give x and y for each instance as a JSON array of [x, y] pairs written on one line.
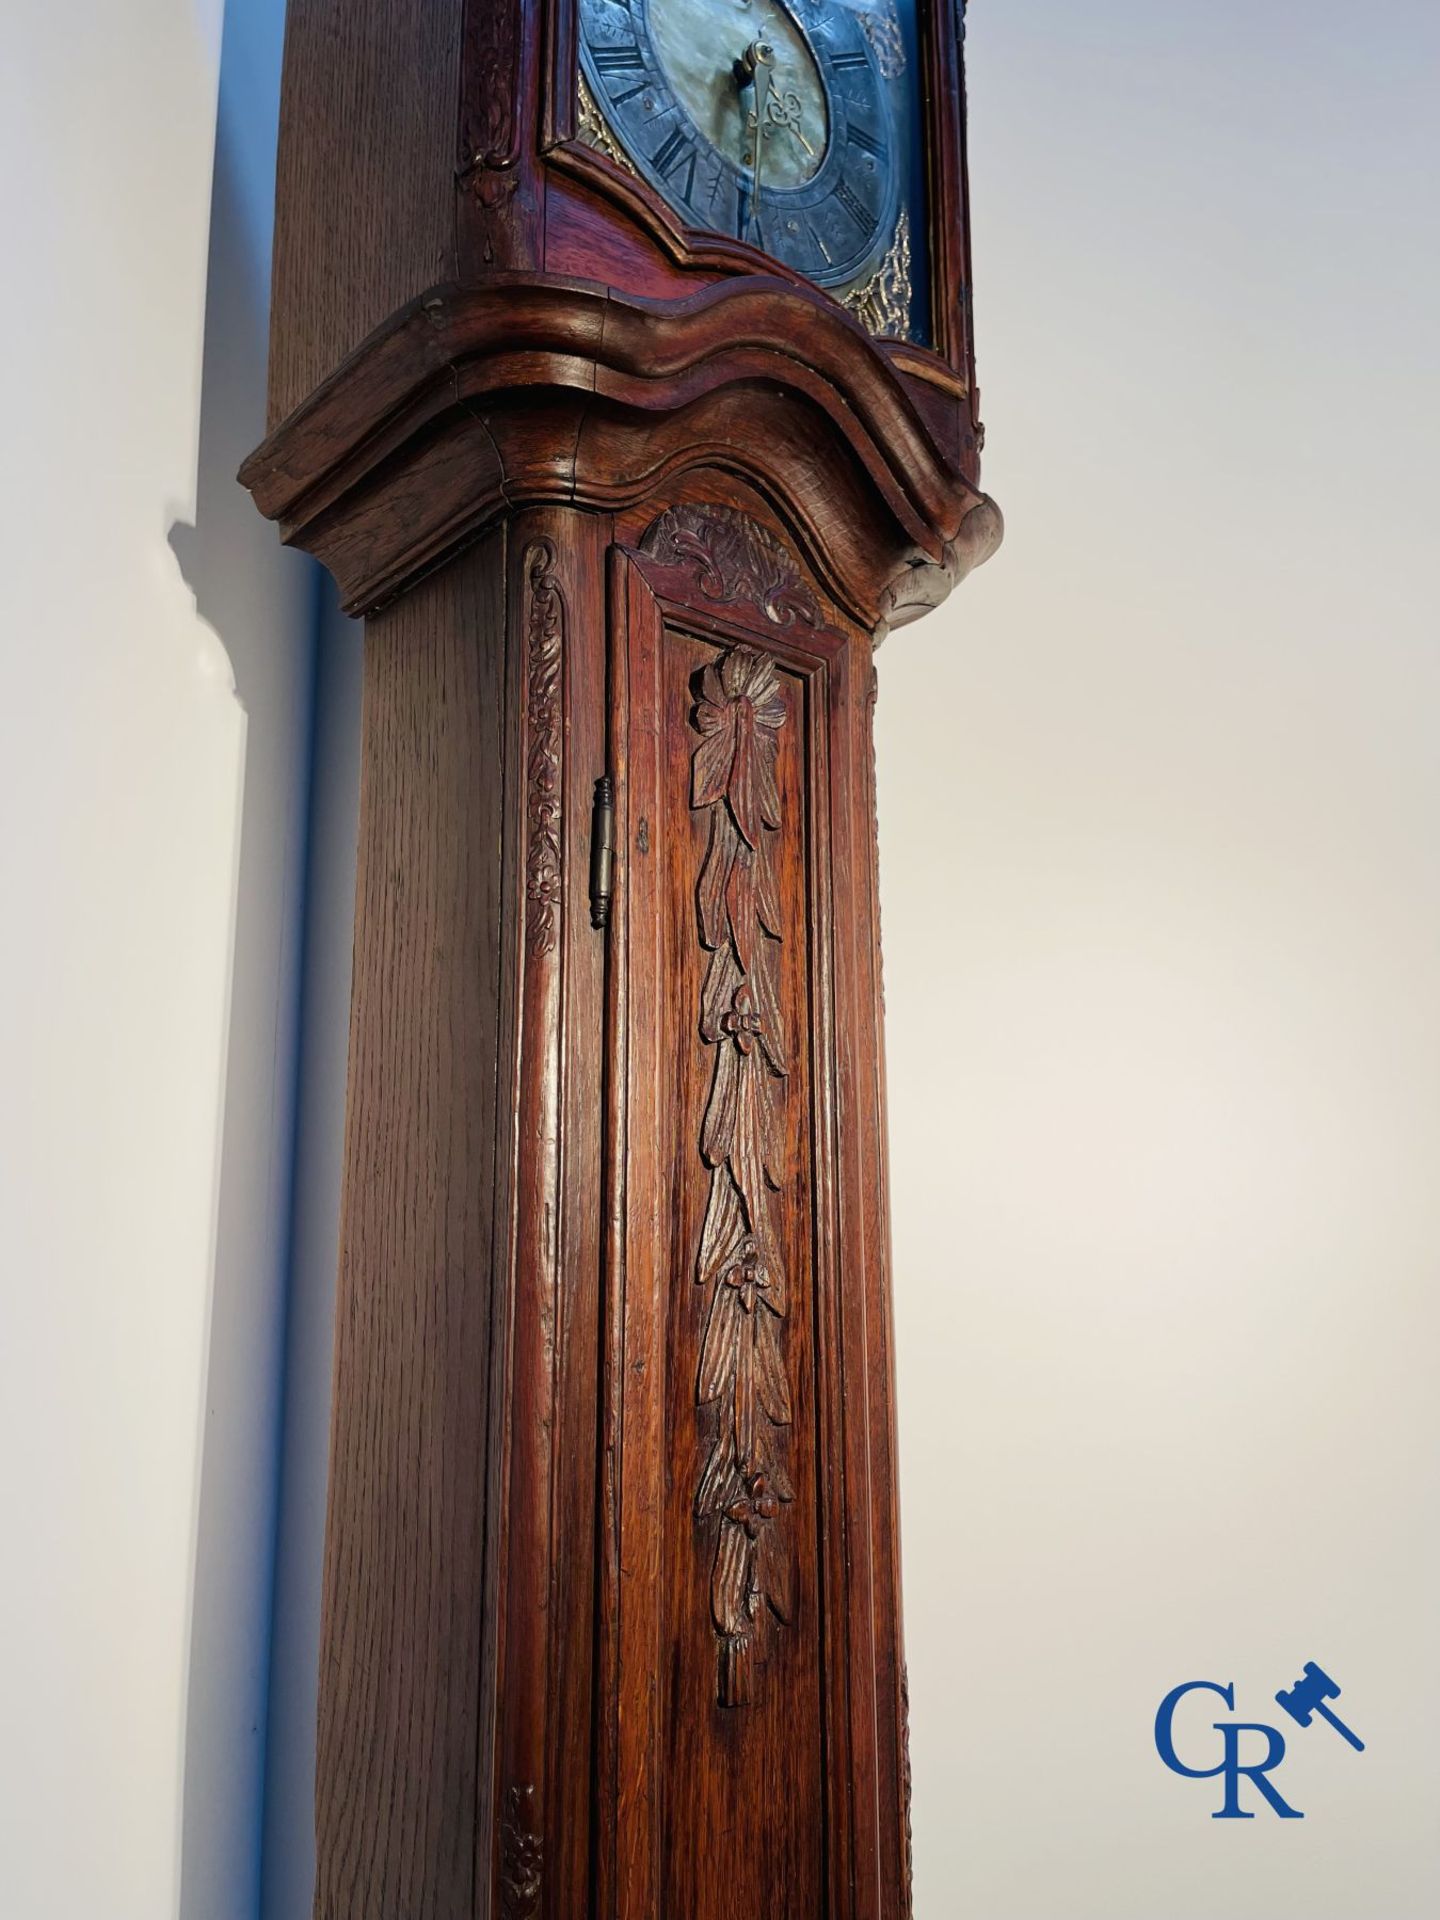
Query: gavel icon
[[1307, 1698]]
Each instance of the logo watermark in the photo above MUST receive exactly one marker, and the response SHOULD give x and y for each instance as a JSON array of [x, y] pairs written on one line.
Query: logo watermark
[[1240, 1756]]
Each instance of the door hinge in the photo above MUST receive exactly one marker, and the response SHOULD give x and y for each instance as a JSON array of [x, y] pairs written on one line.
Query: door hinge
[[602, 852]]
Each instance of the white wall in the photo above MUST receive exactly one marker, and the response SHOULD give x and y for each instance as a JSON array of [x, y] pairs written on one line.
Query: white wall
[[127, 767], [264, 603], [1159, 792]]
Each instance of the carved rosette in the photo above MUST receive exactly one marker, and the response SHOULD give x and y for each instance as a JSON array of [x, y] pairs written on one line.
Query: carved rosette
[[522, 1857], [544, 653], [741, 1374], [733, 558]]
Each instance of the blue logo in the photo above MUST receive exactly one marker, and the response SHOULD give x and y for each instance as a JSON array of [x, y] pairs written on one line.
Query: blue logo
[[1308, 1696], [1240, 1755]]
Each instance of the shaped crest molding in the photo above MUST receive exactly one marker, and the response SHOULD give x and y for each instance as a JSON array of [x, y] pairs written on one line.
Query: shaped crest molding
[[524, 389]]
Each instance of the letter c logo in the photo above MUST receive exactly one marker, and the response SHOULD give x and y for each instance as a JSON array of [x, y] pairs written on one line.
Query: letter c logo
[[1165, 1727]]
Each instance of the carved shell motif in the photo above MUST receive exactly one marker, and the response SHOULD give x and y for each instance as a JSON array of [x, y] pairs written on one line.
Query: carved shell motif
[[744, 1487]]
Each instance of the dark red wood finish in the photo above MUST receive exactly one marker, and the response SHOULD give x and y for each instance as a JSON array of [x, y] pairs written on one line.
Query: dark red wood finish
[[612, 1623]]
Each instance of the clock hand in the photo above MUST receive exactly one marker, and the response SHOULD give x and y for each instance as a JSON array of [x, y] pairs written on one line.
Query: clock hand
[[756, 64], [786, 110]]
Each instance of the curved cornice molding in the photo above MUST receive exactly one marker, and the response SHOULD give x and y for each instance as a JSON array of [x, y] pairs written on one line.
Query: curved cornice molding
[[523, 389]]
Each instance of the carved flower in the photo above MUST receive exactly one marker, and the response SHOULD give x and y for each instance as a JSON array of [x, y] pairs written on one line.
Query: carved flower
[[522, 1857], [739, 709], [750, 1273], [742, 1022], [760, 1503]]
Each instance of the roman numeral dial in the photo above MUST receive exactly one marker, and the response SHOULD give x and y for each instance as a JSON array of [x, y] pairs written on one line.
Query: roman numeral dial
[[791, 125]]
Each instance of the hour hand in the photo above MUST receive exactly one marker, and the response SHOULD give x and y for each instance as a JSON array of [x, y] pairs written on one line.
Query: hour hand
[[785, 110]]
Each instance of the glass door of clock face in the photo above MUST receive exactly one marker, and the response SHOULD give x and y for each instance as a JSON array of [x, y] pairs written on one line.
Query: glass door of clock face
[[794, 125]]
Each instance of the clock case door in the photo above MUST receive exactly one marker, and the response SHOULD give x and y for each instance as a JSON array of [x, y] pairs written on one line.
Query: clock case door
[[749, 1733]]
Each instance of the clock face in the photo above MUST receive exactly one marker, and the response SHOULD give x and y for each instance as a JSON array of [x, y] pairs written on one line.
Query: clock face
[[791, 124]]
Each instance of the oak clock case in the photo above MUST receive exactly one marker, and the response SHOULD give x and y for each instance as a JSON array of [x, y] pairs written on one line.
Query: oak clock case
[[626, 478], [793, 126]]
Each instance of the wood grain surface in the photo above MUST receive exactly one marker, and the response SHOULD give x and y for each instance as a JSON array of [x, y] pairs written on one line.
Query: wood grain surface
[[423, 1205], [365, 208]]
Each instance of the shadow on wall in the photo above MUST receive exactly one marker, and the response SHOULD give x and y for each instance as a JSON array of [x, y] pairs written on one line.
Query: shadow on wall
[[288, 1861], [263, 603]]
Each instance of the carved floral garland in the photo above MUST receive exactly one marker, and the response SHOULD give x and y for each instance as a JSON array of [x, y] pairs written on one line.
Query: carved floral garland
[[742, 1370], [544, 650], [907, 1858]]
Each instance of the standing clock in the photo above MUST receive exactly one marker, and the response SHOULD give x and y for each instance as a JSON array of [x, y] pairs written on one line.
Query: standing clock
[[621, 374]]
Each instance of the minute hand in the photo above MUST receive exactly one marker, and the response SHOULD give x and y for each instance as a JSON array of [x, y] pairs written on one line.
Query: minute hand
[[759, 59]]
